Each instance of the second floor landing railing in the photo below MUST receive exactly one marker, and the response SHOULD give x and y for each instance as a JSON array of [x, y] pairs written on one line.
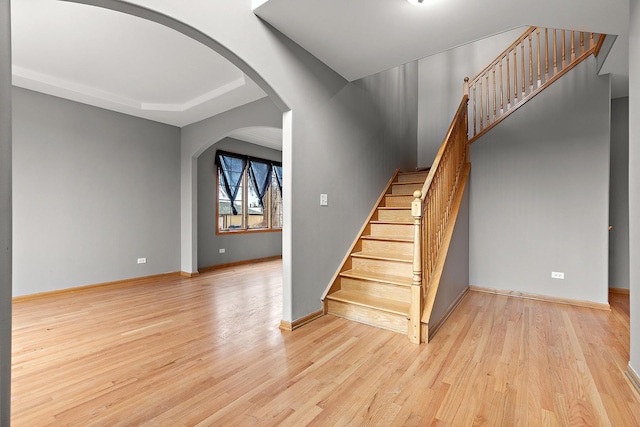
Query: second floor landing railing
[[535, 60]]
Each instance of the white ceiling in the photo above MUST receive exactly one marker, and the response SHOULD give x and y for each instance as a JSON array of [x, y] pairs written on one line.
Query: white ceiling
[[358, 38], [134, 66], [260, 135], [122, 63]]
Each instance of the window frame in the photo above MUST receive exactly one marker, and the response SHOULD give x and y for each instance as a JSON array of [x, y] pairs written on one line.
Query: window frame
[[245, 199]]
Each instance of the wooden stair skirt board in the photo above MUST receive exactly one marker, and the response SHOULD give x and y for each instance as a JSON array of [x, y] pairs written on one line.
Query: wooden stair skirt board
[[373, 284], [429, 330]]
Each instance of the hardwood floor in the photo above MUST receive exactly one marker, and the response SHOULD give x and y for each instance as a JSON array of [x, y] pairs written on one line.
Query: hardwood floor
[[207, 351]]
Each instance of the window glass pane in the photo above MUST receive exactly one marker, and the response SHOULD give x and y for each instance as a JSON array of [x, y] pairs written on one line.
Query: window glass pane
[[226, 219], [255, 214], [276, 204], [256, 185]]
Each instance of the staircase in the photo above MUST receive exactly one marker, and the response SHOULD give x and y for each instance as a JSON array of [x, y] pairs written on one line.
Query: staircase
[[391, 275], [374, 285]]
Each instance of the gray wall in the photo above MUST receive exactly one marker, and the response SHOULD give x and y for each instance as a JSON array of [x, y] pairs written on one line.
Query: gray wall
[[347, 146], [5, 213], [540, 193], [351, 147], [332, 143], [94, 190], [619, 195], [394, 94], [634, 184], [238, 247], [441, 78], [455, 276]]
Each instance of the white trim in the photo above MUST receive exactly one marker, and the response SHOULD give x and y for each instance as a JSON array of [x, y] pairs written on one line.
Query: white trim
[[287, 220], [45, 83]]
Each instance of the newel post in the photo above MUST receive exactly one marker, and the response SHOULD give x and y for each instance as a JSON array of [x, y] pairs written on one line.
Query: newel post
[[415, 313], [465, 86]]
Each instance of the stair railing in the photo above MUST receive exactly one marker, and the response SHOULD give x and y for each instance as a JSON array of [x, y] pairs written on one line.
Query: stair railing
[[431, 209], [535, 60]]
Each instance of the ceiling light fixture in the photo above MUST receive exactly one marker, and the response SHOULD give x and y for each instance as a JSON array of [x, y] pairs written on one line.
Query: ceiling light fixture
[[416, 2]]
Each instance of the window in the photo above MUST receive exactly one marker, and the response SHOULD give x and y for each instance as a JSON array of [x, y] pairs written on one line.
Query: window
[[249, 193]]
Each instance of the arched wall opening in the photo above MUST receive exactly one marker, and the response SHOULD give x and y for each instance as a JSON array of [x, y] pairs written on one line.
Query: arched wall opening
[[217, 248], [344, 132], [196, 138]]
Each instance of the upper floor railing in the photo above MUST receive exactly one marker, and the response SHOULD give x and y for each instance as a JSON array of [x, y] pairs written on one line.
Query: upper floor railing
[[535, 60]]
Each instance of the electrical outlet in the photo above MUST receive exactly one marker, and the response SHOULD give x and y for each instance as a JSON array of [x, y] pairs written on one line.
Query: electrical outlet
[[557, 275], [323, 200], [222, 250], [142, 260]]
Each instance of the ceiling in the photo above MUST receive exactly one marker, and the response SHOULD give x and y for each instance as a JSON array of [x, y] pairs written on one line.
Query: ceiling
[[260, 135], [134, 66], [358, 38], [147, 70]]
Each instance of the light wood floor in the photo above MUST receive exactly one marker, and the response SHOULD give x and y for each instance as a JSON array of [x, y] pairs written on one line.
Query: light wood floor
[[207, 351]]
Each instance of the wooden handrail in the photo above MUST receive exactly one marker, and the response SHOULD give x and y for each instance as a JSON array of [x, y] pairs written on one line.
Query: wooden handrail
[[502, 55], [524, 73], [440, 187], [434, 167], [430, 296], [596, 51], [431, 210]]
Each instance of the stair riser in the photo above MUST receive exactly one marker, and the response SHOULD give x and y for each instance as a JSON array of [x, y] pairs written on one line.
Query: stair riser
[[413, 177], [400, 230], [402, 201], [383, 246], [369, 316], [382, 267], [403, 215], [376, 289], [405, 188]]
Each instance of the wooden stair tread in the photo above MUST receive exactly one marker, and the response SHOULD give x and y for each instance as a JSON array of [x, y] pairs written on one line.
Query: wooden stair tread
[[390, 222], [417, 171], [383, 256], [376, 277], [408, 182], [390, 306], [395, 208], [387, 238]]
